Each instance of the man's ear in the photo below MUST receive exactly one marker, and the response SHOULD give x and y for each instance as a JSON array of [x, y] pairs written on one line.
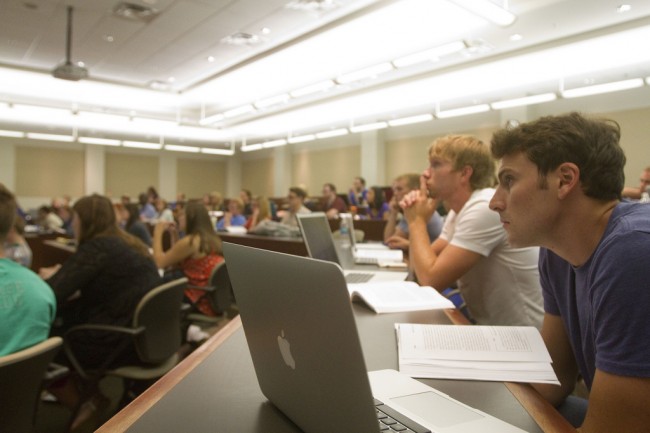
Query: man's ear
[[569, 178], [466, 173]]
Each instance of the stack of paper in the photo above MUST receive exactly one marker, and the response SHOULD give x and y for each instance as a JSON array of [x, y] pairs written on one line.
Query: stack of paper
[[396, 296], [499, 353]]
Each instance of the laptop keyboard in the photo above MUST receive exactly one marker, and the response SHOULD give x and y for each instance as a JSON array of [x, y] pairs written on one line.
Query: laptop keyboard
[[357, 277], [392, 421]]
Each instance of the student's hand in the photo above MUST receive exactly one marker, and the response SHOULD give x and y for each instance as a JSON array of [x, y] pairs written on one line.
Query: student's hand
[[161, 226], [418, 204], [46, 273], [397, 243]]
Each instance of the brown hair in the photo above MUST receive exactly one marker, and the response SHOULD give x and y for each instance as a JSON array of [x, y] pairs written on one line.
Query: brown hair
[[591, 144], [198, 223], [8, 208], [97, 219]]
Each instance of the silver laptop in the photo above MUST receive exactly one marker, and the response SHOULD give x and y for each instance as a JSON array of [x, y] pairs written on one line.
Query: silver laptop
[[369, 253], [317, 235], [308, 360]]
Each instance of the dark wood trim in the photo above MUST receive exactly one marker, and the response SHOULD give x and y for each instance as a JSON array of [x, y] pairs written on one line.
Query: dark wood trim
[[130, 414]]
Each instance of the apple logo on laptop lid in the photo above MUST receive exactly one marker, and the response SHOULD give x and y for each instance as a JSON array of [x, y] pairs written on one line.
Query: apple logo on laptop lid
[[285, 350]]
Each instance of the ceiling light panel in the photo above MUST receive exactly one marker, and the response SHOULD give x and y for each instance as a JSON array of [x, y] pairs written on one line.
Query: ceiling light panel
[[597, 54], [336, 51]]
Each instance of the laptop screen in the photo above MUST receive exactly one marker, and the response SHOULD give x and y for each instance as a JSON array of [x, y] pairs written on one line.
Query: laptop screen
[[317, 236]]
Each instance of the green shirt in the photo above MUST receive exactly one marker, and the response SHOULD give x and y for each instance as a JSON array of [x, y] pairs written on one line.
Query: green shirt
[[27, 307]]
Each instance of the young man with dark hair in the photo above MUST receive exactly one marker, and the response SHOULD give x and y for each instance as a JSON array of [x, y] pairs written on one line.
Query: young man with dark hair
[[296, 200], [27, 303], [560, 183], [331, 203]]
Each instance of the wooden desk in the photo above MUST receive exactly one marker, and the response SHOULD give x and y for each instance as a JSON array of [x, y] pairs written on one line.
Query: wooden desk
[[294, 246], [43, 254], [215, 388]]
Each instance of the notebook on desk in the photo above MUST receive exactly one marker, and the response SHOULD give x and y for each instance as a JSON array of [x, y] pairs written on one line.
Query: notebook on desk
[[307, 356], [319, 242]]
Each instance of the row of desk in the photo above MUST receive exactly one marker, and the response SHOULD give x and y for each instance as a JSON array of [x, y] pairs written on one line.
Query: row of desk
[[215, 389]]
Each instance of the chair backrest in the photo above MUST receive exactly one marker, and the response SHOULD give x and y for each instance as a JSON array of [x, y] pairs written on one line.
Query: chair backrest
[[222, 297], [159, 312], [21, 378]]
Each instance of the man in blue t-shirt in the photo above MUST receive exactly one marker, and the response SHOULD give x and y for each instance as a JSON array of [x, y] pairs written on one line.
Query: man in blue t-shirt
[[560, 183], [27, 303]]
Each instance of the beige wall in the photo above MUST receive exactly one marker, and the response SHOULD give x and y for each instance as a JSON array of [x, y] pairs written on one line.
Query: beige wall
[[196, 177], [130, 174], [635, 141], [311, 169], [47, 172], [257, 176]]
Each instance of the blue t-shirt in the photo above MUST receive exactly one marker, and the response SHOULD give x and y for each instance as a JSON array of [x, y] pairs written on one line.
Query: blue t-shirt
[[236, 220], [604, 303], [434, 226]]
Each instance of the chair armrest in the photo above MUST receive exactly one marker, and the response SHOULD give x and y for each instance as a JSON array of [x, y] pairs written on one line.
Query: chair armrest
[[204, 288], [55, 372], [133, 332]]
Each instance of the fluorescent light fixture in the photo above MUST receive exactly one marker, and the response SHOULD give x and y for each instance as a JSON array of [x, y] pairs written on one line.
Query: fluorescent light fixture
[[274, 100], [302, 138], [99, 141], [527, 100], [274, 143], [313, 88], [16, 134], [432, 54], [332, 133], [177, 148], [251, 147], [239, 111], [142, 145], [50, 137], [364, 73], [603, 88], [489, 11], [212, 119], [213, 151], [463, 111], [411, 120], [368, 127]]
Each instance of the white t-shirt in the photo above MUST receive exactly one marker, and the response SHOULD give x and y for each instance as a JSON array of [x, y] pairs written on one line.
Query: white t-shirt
[[503, 287]]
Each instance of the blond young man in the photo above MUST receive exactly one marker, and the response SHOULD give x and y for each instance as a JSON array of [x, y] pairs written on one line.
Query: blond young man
[[499, 283]]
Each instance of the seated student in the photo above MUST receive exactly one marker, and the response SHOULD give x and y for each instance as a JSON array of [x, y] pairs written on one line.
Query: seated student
[[331, 203], [134, 225], [101, 283], [147, 210], [246, 197], [261, 212], [296, 198], [16, 247], [27, 304], [164, 212], [357, 196], [560, 183], [635, 193], [49, 220], [196, 253], [396, 231], [65, 213], [499, 283], [378, 209], [234, 217]]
